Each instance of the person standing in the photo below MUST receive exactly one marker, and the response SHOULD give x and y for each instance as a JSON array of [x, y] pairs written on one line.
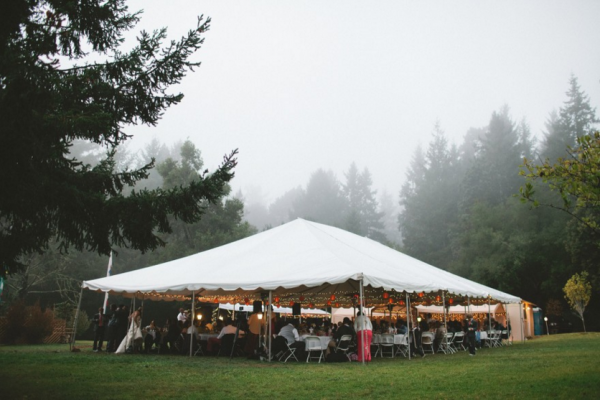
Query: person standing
[[122, 319], [100, 321], [111, 329], [417, 335], [364, 336], [132, 342], [472, 327], [181, 317], [255, 325]]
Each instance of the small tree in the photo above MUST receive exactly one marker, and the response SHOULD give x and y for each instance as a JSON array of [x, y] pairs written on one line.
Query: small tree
[[578, 292]]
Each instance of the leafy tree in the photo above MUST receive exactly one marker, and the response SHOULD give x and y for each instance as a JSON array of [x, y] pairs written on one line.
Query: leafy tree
[[578, 292], [509, 247], [52, 94], [576, 179]]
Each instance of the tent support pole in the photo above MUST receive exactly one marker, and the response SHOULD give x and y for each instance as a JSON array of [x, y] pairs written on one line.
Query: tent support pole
[[507, 322], [408, 323], [469, 304], [142, 314], [192, 322], [521, 309], [269, 322], [444, 310], [362, 311], [72, 344], [489, 313]]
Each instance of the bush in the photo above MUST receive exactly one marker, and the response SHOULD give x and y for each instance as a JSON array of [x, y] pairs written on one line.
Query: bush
[[83, 323], [38, 324], [15, 322], [27, 324]]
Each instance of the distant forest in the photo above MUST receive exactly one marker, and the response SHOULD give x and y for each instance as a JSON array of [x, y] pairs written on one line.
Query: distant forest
[[459, 209]]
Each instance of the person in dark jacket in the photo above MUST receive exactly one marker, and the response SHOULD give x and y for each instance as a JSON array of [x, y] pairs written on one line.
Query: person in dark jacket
[[100, 322], [472, 327], [111, 330], [121, 323]]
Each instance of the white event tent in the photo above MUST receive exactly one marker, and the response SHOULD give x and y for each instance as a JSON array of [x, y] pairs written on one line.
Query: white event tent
[[301, 257], [300, 261]]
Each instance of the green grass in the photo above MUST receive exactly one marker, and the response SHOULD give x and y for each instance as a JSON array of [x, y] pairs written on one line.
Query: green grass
[[558, 366]]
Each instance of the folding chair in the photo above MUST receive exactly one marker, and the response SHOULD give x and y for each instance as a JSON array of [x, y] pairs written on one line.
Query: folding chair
[[458, 343], [313, 343], [495, 339], [375, 343], [198, 346], [401, 342], [344, 344], [227, 346], [446, 344], [289, 353], [489, 341], [427, 340], [386, 341]]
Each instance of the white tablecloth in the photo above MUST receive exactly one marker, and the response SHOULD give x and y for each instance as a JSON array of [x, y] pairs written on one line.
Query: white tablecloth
[[324, 340], [205, 336], [399, 339]]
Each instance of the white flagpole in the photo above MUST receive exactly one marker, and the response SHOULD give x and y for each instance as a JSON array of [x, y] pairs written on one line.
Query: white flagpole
[[108, 271]]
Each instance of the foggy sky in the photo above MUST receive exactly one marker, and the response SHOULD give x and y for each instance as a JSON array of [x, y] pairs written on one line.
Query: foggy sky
[[301, 85]]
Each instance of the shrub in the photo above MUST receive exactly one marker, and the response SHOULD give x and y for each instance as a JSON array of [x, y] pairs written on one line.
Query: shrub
[[27, 324], [16, 317], [38, 325]]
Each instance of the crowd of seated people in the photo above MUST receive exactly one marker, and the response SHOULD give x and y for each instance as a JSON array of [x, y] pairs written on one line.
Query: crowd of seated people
[[178, 333]]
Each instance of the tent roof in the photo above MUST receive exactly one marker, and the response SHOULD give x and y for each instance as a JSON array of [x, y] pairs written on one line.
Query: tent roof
[[299, 256]]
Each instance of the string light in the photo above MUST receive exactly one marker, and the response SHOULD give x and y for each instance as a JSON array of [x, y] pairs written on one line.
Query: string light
[[375, 297]]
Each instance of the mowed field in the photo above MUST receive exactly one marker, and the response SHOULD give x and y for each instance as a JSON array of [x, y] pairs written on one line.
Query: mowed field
[[559, 366]]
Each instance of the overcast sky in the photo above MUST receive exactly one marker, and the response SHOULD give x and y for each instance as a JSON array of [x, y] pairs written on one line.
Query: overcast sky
[[301, 85]]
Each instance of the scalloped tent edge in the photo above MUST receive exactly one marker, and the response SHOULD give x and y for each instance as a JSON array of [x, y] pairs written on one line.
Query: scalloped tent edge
[[300, 257]]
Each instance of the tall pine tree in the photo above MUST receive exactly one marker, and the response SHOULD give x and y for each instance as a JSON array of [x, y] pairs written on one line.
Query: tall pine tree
[[52, 93]]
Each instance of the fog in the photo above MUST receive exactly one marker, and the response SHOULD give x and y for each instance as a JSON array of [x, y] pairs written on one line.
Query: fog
[[298, 86]]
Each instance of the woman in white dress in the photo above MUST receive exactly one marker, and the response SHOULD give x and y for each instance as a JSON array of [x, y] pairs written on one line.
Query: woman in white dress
[[133, 340]]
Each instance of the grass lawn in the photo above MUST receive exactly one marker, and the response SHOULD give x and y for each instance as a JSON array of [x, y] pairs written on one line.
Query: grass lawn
[[559, 366]]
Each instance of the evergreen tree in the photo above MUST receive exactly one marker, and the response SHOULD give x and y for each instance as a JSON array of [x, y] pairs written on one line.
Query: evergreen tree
[[508, 247], [493, 176], [390, 211], [322, 201], [52, 94], [429, 201], [280, 211], [362, 216], [222, 220], [575, 119]]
